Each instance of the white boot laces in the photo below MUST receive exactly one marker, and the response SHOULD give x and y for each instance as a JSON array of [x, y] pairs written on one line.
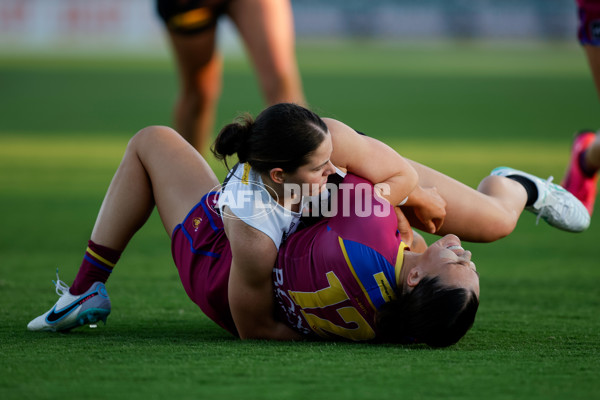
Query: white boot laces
[[544, 210], [61, 287], [558, 209]]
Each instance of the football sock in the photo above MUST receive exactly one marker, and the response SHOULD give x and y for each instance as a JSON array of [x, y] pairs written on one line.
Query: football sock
[[96, 266], [530, 188]]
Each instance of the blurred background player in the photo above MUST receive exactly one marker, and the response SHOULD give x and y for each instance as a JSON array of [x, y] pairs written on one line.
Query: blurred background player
[[582, 174], [581, 177], [267, 29]]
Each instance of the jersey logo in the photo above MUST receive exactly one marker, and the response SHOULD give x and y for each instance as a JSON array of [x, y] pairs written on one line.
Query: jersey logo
[[54, 316]]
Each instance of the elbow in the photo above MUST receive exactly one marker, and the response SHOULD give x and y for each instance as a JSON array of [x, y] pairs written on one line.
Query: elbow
[[253, 337], [251, 334], [245, 337], [278, 332], [399, 186], [410, 180], [257, 332]]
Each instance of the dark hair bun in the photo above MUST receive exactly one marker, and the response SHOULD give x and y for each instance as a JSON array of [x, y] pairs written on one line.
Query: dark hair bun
[[282, 136], [232, 139]]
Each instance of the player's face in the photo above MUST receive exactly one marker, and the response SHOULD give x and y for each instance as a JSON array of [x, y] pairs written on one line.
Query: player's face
[[312, 176], [451, 263]]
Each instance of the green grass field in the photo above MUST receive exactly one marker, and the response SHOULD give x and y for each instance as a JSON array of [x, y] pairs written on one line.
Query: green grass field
[[463, 109]]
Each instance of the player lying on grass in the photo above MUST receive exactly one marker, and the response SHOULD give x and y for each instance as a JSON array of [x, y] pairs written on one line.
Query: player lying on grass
[[159, 168]]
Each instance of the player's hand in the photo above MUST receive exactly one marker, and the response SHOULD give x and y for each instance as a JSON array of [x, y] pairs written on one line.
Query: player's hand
[[406, 232], [431, 211]]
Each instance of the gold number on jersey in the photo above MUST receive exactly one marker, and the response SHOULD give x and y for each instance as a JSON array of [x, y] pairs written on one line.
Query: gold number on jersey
[[327, 297]]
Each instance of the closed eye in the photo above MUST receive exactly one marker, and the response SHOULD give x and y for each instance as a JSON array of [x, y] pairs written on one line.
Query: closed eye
[[321, 166], [467, 264]]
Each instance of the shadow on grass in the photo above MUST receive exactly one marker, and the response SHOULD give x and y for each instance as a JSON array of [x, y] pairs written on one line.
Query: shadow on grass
[[205, 335]]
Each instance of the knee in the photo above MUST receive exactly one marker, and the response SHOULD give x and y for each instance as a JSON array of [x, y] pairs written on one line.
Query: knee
[[209, 91], [149, 135], [201, 92]]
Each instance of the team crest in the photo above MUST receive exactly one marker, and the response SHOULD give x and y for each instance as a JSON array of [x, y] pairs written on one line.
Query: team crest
[[196, 223]]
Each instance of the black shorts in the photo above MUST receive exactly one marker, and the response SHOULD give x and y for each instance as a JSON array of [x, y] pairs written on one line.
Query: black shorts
[[189, 17]]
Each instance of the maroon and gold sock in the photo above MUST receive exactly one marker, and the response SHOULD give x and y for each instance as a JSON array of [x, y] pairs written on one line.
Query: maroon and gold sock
[[96, 266]]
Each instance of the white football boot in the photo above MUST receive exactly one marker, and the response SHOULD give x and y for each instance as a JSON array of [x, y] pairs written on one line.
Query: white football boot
[[72, 311], [554, 204]]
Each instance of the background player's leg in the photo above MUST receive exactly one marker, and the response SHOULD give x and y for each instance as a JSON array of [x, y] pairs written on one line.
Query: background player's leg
[[582, 172], [267, 28], [592, 156], [593, 56], [200, 74]]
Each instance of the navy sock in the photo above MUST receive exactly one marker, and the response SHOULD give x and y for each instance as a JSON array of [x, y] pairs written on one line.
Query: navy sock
[[530, 188]]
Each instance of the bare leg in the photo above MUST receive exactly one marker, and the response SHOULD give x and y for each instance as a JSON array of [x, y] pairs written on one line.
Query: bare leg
[[158, 168], [581, 175], [483, 215], [267, 28], [592, 155], [593, 56], [200, 73]]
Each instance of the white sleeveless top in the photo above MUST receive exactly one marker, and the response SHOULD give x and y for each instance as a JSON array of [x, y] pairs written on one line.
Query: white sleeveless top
[[246, 197]]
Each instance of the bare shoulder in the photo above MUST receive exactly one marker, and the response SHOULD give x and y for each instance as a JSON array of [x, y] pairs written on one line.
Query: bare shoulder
[[337, 127], [350, 149]]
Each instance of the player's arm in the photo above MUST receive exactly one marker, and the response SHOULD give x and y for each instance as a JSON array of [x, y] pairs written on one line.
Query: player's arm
[[380, 164], [251, 298], [373, 160]]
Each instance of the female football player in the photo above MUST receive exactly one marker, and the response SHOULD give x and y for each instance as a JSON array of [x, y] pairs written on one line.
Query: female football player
[[226, 259]]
